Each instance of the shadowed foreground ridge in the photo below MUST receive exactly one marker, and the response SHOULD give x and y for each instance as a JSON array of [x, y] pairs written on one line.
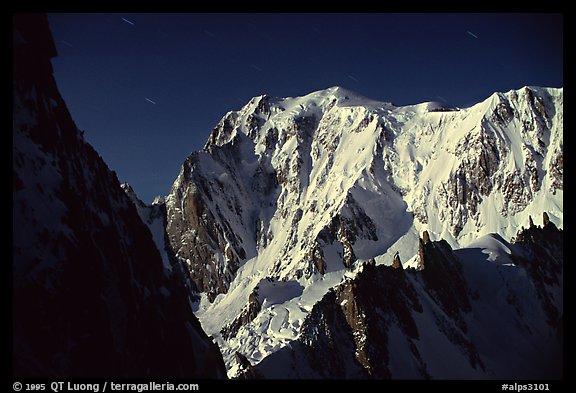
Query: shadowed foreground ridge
[[91, 296]]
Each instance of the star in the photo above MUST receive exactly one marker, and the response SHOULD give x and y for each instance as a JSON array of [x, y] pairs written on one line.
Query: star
[[127, 21], [472, 34]]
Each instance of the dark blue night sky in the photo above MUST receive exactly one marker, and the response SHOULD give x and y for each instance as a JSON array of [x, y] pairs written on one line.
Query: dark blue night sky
[[148, 88]]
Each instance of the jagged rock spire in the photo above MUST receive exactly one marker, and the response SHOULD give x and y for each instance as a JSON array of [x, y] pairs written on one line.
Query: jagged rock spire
[[422, 242], [246, 370], [426, 237], [396, 263]]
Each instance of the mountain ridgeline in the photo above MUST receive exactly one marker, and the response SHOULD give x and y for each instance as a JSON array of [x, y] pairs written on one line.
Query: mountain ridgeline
[[498, 320], [91, 295], [292, 198], [323, 236]]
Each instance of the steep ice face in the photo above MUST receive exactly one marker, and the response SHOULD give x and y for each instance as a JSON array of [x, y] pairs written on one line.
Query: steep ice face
[[299, 192]]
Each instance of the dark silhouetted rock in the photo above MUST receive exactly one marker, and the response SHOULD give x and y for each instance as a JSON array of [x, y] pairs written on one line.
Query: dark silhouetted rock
[[545, 219], [91, 297], [426, 237], [245, 368], [424, 241], [543, 257], [420, 265], [249, 312], [396, 263], [318, 262]]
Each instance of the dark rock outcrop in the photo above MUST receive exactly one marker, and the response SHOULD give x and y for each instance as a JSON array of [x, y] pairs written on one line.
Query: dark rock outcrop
[[444, 282], [545, 219], [386, 322], [396, 263], [90, 295], [347, 334], [245, 368], [425, 237], [317, 262], [541, 252], [422, 243], [556, 168], [249, 312]]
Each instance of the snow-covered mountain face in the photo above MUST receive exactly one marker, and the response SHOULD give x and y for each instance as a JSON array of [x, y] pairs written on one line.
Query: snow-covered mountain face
[[91, 293], [493, 310], [291, 196]]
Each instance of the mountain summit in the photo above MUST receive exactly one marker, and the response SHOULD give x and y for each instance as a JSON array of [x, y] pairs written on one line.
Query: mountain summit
[[323, 236], [290, 197]]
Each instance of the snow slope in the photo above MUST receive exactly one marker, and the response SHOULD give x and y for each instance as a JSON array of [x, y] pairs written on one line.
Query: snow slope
[[473, 313], [291, 195]]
